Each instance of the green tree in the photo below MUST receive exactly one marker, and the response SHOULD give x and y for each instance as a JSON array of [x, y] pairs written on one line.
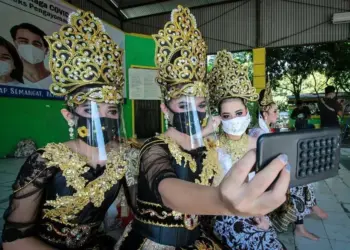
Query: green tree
[[293, 65]]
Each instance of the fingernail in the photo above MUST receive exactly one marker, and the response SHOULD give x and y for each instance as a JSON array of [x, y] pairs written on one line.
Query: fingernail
[[283, 158], [288, 167]]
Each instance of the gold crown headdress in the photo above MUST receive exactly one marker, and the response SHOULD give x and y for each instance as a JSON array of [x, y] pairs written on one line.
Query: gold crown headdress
[[83, 54], [181, 56], [229, 79], [267, 98]]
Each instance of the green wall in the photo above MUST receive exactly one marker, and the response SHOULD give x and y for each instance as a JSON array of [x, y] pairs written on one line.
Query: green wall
[[139, 52], [40, 120]]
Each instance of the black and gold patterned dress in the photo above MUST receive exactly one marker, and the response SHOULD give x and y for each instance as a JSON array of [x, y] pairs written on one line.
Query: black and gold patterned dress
[[61, 200], [157, 226]]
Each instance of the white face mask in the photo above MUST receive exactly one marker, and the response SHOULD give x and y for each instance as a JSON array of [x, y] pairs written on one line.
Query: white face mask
[[5, 68], [236, 126], [31, 54]]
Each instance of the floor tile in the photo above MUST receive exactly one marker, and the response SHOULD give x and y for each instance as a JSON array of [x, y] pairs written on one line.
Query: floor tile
[[337, 232], [326, 197], [306, 244], [330, 206], [338, 219], [288, 240], [340, 245], [315, 226]]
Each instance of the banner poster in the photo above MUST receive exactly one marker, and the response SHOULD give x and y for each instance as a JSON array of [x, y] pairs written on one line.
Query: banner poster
[[24, 70]]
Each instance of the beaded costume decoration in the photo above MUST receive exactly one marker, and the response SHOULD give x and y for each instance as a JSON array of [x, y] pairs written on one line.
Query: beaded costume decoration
[[229, 79], [83, 54], [181, 57]]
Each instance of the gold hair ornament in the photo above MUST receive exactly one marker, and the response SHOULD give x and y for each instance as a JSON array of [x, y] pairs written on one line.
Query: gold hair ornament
[[82, 54], [267, 98], [229, 79], [181, 57]]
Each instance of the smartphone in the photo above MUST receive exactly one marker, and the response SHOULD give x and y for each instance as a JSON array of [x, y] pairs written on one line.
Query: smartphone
[[314, 155]]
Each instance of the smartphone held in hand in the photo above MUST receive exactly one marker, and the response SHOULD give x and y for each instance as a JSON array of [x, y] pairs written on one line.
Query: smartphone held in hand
[[314, 155]]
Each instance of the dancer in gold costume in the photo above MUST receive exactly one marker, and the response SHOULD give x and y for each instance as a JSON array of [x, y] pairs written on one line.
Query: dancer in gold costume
[[63, 191], [177, 168]]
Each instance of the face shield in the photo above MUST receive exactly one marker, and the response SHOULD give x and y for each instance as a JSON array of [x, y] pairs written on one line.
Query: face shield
[[190, 116], [97, 129]]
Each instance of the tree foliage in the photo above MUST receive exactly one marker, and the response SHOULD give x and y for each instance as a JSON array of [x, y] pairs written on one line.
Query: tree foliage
[[311, 68]]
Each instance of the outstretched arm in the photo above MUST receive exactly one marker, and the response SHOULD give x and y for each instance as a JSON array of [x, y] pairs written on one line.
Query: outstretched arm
[[233, 197]]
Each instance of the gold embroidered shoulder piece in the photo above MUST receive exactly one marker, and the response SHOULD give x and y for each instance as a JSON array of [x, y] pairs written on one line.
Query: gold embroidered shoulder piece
[[235, 148], [65, 208], [210, 162]]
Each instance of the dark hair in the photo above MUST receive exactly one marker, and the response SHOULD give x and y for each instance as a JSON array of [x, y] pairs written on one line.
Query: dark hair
[[31, 28], [329, 89], [16, 73], [299, 103], [230, 98]]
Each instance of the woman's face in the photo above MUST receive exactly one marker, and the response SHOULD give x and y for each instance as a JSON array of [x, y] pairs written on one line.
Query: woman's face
[[6, 61], [232, 108], [271, 115], [93, 109], [185, 104]]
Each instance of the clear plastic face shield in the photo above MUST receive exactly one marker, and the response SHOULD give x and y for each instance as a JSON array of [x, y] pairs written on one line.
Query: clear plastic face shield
[[96, 129], [190, 116]]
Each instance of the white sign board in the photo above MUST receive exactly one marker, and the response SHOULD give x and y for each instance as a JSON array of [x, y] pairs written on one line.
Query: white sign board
[[143, 85]]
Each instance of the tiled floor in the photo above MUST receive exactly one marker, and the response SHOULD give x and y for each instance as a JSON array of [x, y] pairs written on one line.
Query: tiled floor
[[333, 195]]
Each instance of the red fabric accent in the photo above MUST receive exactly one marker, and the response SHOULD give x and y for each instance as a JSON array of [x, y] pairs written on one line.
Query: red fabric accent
[[125, 220]]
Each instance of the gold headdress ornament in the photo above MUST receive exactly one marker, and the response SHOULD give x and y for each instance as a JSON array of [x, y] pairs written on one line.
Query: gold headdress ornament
[[267, 98], [228, 79], [83, 54], [181, 56]]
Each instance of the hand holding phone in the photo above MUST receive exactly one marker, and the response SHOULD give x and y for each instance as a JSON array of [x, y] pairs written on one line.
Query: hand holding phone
[[314, 155]]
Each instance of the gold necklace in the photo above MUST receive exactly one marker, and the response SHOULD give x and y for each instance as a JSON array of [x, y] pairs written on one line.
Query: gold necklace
[[65, 208], [210, 162], [235, 148]]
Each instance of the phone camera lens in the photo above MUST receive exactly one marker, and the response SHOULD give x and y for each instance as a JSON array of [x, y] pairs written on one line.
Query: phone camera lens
[[315, 170], [302, 173], [317, 153], [329, 151], [303, 164], [310, 163], [311, 144], [323, 142], [311, 154], [323, 151], [317, 143], [316, 162], [303, 145], [323, 160], [309, 171], [303, 155]]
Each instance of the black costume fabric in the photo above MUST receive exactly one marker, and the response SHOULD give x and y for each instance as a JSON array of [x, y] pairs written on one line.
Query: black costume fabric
[[35, 184], [156, 226]]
